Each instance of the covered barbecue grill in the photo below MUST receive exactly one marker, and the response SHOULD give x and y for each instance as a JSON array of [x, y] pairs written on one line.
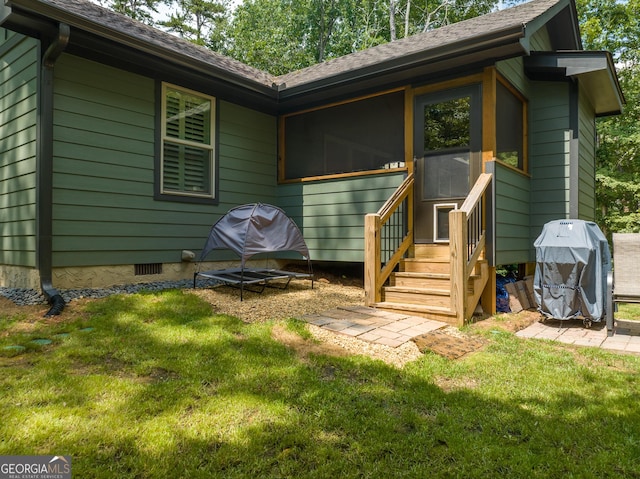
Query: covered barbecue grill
[[572, 263]]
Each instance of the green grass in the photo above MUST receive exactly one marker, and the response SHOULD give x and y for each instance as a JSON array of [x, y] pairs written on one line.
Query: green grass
[[628, 311], [162, 387]]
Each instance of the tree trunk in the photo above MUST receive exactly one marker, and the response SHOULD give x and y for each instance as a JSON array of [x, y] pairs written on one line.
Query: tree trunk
[[407, 14], [392, 19]]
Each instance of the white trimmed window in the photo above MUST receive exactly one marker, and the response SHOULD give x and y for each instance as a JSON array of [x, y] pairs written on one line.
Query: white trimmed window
[[188, 146]]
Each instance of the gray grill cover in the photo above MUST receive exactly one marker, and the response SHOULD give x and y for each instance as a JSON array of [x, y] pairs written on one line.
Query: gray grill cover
[[255, 228], [572, 263]]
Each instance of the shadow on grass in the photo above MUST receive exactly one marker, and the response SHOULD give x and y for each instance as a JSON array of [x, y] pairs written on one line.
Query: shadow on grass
[[161, 387]]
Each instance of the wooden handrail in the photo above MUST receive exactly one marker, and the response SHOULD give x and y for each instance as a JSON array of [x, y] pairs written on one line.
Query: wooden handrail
[[466, 249], [475, 195], [398, 196], [375, 273]]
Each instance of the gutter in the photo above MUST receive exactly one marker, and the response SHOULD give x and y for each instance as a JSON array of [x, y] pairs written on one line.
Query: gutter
[[45, 171]]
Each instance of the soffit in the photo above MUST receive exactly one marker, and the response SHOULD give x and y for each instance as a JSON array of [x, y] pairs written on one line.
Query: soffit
[[594, 71]]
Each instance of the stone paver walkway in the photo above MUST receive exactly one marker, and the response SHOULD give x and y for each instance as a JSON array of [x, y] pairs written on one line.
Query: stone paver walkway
[[395, 329], [626, 337], [373, 325]]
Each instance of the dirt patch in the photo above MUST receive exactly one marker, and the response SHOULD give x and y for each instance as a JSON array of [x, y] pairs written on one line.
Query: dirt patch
[[512, 322], [27, 313], [449, 343], [303, 347], [455, 384], [27, 318]]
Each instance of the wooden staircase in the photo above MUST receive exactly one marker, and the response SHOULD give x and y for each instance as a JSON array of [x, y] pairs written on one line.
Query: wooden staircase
[[422, 285], [442, 282]]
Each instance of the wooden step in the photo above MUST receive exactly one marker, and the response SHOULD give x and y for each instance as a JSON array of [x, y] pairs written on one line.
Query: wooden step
[[437, 281], [421, 265], [431, 251], [420, 280], [430, 312], [430, 297]]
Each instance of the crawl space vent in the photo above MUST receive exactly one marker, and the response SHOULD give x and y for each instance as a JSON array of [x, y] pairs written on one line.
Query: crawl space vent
[[150, 268]]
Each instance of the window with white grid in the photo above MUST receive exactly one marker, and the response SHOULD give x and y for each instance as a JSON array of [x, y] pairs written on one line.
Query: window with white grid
[[187, 153]]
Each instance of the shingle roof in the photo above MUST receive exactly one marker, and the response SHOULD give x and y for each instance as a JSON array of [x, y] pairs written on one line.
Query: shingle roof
[[516, 17], [119, 28]]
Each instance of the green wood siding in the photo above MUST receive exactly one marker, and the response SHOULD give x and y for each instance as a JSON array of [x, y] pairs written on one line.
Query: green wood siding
[[18, 117], [586, 169], [513, 71], [330, 213], [512, 216], [549, 153], [104, 132], [540, 41]]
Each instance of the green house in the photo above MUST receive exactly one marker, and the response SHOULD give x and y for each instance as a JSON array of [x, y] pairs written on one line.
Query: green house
[[431, 160]]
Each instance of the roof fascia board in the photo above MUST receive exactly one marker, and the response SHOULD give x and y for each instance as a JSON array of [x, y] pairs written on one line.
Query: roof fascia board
[[419, 75], [32, 27], [595, 69]]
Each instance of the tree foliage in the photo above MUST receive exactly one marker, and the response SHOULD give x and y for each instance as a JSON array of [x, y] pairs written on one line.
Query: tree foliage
[[268, 34], [142, 10], [196, 20], [614, 25], [284, 35]]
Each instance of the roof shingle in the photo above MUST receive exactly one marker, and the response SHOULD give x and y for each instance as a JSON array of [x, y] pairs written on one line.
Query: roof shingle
[[118, 27], [466, 30]]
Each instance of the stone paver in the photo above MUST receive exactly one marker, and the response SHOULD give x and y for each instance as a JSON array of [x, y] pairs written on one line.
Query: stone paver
[[626, 336], [338, 325], [374, 325], [395, 329], [371, 336]]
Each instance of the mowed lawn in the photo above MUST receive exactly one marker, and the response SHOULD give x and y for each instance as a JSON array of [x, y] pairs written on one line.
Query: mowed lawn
[[158, 386]]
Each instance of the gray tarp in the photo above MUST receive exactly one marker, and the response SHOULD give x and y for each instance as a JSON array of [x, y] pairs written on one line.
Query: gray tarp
[[255, 228], [572, 263]]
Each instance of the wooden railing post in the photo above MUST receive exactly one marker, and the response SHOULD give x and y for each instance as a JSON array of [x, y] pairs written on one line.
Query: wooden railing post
[[458, 261], [466, 249], [372, 293], [375, 273]]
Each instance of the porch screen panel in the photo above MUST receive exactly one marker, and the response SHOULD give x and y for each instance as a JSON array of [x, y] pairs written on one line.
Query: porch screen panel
[[447, 146], [509, 127], [358, 136]]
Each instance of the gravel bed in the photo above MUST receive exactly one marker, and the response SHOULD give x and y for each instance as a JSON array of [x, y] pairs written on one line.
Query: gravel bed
[[31, 297], [294, 302]]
